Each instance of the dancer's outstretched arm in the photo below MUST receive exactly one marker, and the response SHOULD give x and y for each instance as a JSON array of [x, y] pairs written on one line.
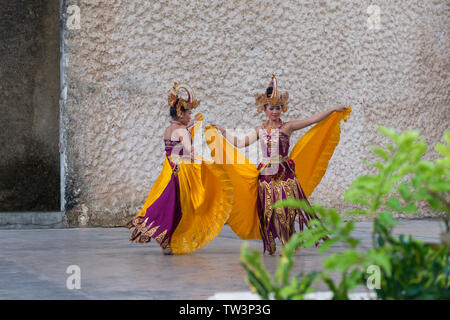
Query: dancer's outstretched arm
[[239, 143], [294, 125]]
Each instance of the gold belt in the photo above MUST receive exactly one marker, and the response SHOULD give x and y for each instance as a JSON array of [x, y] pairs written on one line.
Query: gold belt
[[275, 159], [175, 158]]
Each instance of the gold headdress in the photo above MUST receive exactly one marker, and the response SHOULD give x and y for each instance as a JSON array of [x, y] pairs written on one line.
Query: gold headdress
[[271, 97], [176, 101]]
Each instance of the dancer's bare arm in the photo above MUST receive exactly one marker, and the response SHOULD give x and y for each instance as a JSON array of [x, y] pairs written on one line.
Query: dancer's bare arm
[[239, 143], [300, 124]]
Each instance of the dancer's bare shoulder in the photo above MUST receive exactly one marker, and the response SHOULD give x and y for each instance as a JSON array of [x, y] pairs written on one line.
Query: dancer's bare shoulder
[[175, 132]]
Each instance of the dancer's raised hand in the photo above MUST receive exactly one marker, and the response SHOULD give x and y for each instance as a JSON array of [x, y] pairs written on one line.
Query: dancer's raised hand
[[340, 108], [221, 130]]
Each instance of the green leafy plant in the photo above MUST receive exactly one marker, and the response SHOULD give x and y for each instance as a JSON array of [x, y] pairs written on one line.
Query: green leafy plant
[[419, 270], [410, 268], [283, 287]]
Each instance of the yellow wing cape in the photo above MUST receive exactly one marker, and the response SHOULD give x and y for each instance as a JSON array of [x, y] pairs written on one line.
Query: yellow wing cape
[[311, 155], [243, 218], [206, 198], [314, 150]]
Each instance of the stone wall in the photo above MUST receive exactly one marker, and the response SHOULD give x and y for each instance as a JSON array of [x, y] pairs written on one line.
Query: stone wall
[[29, 105], [389, 62]]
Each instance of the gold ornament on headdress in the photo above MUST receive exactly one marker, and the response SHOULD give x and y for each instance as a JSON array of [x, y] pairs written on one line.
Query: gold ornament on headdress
[[272, 99], [175, 99]]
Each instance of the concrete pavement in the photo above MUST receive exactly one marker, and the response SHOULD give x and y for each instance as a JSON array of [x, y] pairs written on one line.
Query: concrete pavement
[[33, 263]]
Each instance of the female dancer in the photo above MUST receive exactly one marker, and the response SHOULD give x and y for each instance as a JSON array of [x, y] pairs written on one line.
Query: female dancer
[[277, 176], [177, 213]]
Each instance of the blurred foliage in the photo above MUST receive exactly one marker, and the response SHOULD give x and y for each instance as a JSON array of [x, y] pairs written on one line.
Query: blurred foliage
[[410, 269]]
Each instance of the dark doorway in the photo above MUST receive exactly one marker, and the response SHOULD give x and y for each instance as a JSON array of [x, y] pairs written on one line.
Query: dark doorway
[[29, 105]]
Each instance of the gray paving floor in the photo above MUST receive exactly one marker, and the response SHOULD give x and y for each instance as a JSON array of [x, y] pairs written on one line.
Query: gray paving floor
[[33, 263]]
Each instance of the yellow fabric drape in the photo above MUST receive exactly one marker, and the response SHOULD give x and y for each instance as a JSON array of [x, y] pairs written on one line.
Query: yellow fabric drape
[[160, 184], [313, 151], [243, 218], [197, 125], [311, 155], [206, 198]]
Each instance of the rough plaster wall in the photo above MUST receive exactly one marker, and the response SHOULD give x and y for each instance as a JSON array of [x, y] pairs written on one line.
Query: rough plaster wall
[[29, 108], [123, 60]]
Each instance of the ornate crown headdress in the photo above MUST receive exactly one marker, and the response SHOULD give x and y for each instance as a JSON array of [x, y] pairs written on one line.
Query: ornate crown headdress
[[271, 97], [175, 99]]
